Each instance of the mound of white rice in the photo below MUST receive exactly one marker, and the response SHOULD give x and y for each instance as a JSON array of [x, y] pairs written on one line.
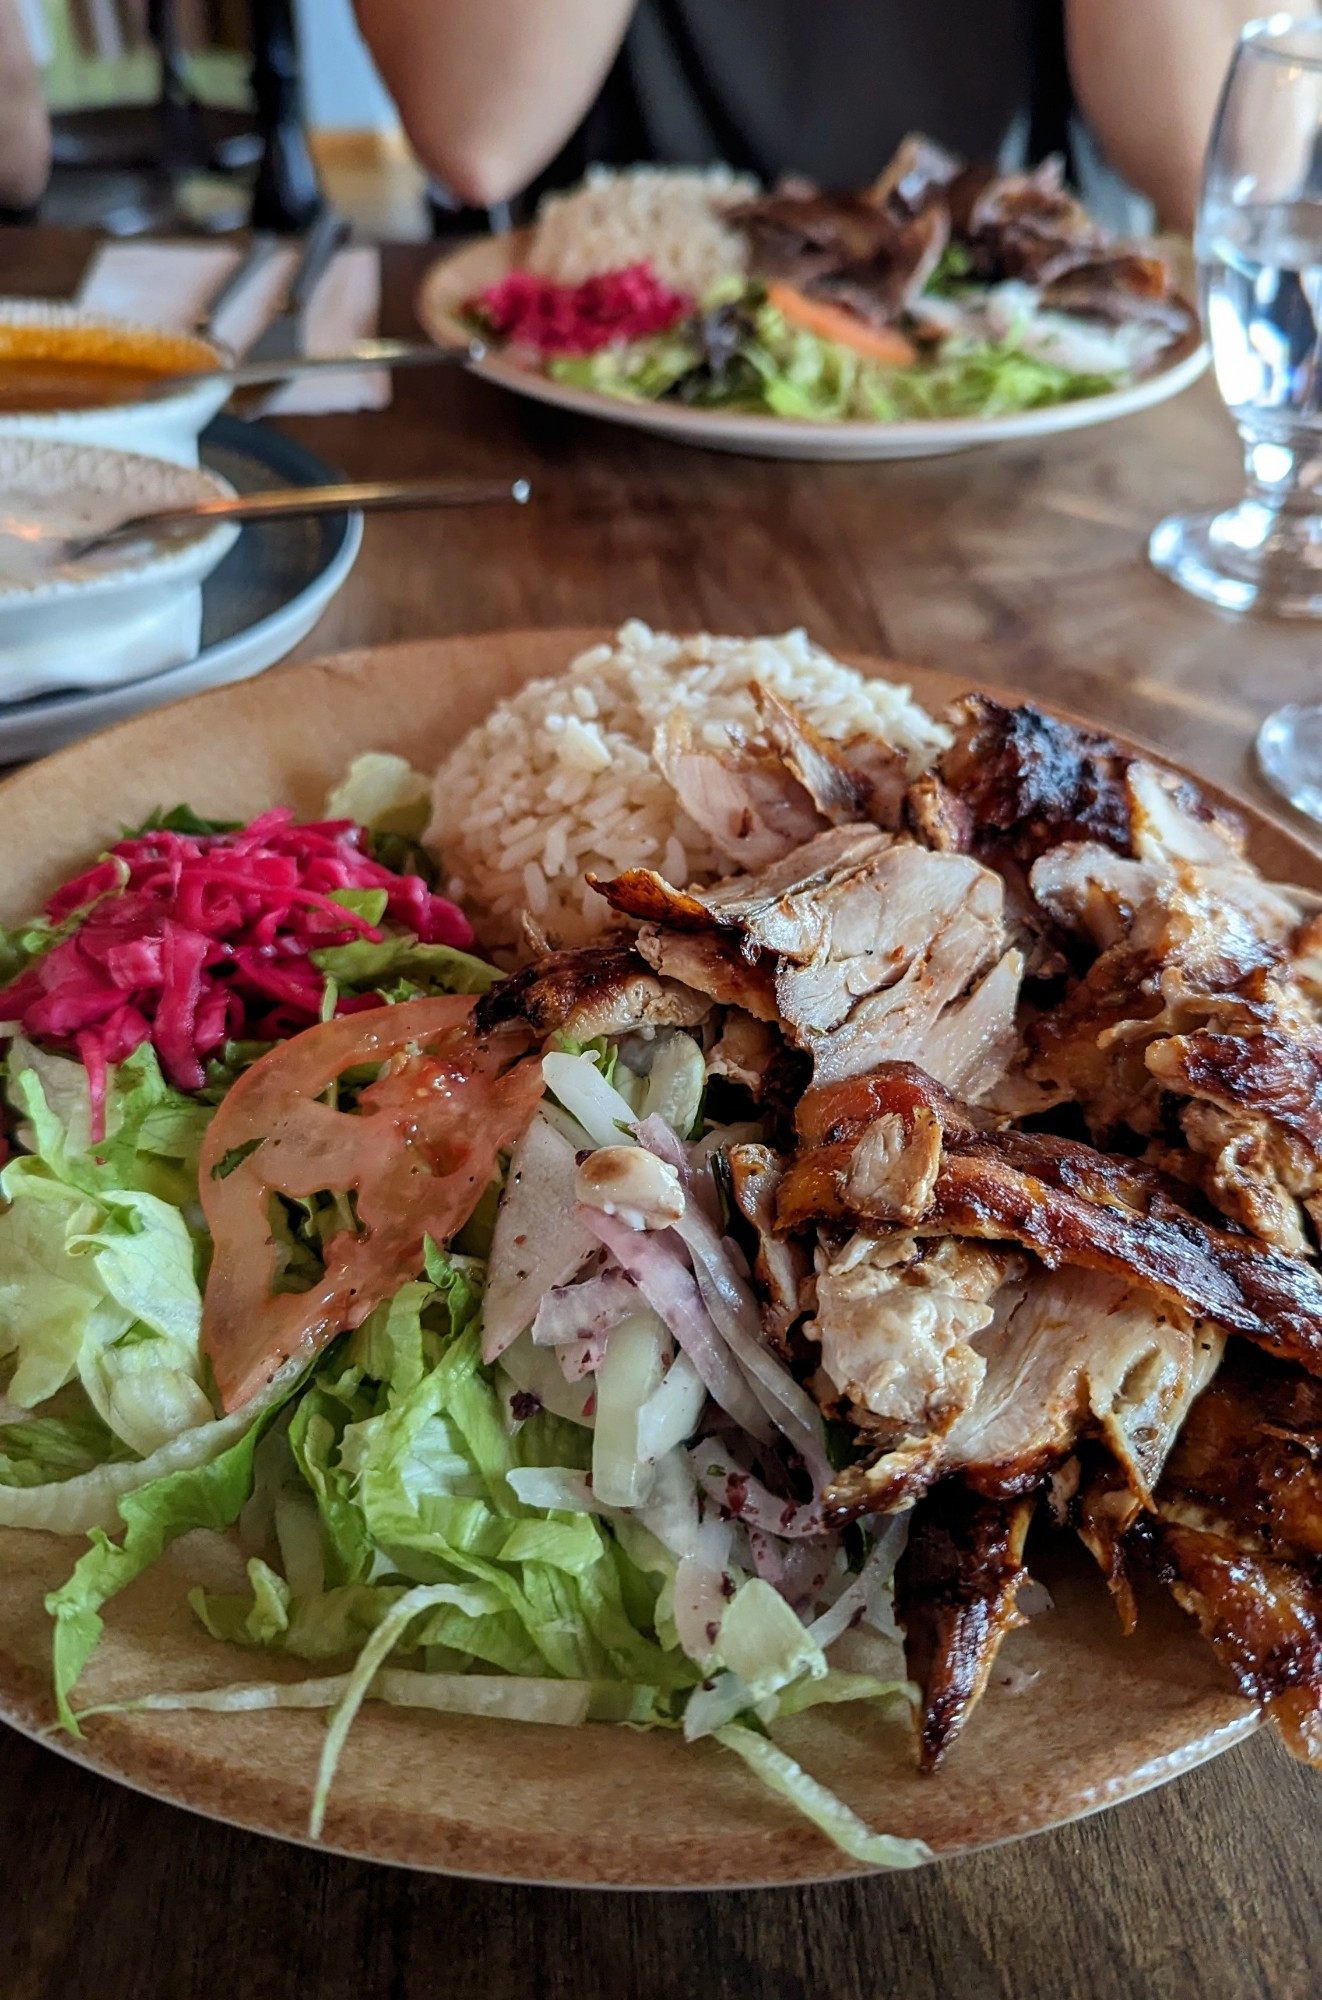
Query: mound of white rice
[[559, 780], [670, 216]]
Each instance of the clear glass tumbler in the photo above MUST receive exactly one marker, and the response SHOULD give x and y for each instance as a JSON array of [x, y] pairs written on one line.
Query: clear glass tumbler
[[1259, 249]]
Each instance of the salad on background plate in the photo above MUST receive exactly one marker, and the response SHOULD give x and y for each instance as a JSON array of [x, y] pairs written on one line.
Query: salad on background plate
[[942, 293]]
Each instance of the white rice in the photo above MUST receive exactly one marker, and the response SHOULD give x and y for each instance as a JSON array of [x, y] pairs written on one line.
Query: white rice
[[559, 780], [668, 216]]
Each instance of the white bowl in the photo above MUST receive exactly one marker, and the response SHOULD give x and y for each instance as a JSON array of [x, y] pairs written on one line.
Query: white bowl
[[119, 614], [165, 427]]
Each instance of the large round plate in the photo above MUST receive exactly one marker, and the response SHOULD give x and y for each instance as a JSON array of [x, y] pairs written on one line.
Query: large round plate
[[262, 599], [1105, 1717], [466, 272]]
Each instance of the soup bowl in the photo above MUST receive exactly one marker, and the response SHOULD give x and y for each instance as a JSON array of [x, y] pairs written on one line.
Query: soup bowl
[[126, 611], [80, 376]]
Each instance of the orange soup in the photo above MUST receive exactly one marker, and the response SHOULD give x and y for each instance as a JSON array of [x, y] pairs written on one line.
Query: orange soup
[[49, 369]]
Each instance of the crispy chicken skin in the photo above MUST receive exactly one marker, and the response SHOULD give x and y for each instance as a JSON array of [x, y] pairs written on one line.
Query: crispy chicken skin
[[601, 989], [1066, 1202], [955, 1591], [1238, 1535], [863, 945]]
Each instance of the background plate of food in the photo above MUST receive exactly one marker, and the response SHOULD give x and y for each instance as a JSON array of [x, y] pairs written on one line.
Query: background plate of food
[[612, 1442], [944, 307]]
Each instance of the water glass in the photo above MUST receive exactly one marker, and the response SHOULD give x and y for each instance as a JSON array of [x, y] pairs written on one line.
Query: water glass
[[1259, 249]]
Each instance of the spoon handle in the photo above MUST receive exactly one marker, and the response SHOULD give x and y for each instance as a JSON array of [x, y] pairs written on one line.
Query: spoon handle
[[284, 503]]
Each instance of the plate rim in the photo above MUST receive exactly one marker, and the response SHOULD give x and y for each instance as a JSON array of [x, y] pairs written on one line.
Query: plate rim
[[20, 1698], [1186, 360]]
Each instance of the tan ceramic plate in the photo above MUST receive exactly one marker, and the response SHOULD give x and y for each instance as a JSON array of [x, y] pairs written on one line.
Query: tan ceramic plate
[[1105, 1717], [464, 273]]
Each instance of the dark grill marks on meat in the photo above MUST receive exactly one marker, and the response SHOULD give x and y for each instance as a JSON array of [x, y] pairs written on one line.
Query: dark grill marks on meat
[[1068, 1204], [847, 248], [1262, 1619], [1033, 779], [955, 1591], [1028, 226], [1279, 1075], [1238, 1536], [600, 989]]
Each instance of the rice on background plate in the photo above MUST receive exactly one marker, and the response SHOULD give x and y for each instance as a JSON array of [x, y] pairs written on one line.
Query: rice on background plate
[[560, 780], [660, 215]]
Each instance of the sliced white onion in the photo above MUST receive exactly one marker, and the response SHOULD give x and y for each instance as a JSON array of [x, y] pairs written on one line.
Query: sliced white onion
[[655, 1264], [867, 1598], [578, 1312], [538, 1242], [630, 1372], [670, 1415], [579, 1085], [746, 1498]]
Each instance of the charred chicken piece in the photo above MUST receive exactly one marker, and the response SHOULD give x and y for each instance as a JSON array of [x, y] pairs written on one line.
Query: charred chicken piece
[[600, 989], [1066, 1202], [1033, 780], [1238, 1536], [876, 949], [955, 1591]]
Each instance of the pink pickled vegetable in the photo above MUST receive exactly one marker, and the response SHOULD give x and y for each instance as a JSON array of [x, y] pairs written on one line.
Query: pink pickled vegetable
[[192, 940], [578, 319]]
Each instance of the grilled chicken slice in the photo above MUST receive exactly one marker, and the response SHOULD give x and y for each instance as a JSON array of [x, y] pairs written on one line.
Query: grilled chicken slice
[[955, 1591], [894, 1321], [748, 801], [782, 1267], [711, 962], [860, 779], [600, 989], [1072, 1353], [1066, 1202], [1031, 780], [1238, 1536], [879, 948], [1050, 1358], [1191, 1013], [746, 1052]]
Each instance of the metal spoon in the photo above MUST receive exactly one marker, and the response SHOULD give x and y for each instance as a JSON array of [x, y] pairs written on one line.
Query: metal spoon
[[286, 503], [362, 354]]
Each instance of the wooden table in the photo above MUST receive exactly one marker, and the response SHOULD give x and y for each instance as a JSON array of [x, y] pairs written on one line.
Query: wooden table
[[1020, 566]]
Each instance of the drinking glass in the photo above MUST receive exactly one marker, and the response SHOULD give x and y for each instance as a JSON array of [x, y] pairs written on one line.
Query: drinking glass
[[1259, 249]]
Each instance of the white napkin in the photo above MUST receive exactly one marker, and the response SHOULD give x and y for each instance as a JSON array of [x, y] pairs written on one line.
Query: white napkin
[[170, 284]]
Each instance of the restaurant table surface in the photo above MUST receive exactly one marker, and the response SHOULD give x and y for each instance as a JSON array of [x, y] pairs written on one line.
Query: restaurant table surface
[[1021, 566]]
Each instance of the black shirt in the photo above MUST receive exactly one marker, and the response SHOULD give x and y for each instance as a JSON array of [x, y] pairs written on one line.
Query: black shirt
[[826, 88]]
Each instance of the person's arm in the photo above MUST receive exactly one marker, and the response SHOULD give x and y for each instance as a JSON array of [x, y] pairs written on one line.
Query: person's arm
[[1147, 75], [24, 125], [489, 90]]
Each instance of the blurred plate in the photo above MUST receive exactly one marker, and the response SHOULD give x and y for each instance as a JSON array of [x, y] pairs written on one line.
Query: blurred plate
[[468, 271], [263, 598]]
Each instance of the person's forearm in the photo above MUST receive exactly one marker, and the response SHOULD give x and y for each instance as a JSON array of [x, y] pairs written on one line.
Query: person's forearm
[[24, 124], [489, 90], [1147, 75]]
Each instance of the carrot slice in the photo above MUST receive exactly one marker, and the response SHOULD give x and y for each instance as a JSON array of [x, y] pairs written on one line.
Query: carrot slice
[[837, 323]]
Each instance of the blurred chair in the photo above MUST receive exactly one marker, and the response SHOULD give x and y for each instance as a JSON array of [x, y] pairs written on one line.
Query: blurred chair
[[177, 163]]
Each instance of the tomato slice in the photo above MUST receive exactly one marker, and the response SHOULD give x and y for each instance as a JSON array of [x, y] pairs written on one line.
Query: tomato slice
[[837, 323], [417, 1152]]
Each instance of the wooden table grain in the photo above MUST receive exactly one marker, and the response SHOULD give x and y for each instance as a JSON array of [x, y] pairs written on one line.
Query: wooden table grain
[[1021, 566]]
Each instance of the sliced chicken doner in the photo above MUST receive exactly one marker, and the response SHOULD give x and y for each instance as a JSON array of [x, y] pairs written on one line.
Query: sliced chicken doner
[[1238, 1536], [1065, 1202], [865, 945], [1194, 1025]]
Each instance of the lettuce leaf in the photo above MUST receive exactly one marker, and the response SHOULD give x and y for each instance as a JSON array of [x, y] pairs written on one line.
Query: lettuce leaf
[[404, 968], [201, 1496], [839, 1822], [46, 1451]]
